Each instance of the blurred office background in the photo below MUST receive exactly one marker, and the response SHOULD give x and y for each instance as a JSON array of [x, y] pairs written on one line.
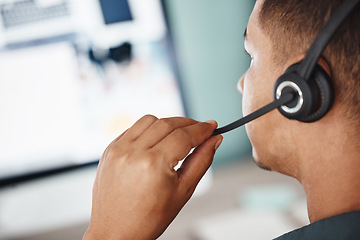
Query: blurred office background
[[122, 68], [209, 42]]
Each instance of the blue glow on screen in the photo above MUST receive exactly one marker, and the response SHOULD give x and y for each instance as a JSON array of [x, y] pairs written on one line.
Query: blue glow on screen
[[115, 11]]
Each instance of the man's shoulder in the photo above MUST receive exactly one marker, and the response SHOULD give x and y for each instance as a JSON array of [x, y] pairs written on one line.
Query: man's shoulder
[[343, 226]]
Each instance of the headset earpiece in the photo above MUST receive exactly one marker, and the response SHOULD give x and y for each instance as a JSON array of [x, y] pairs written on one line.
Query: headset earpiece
[[314, 96]]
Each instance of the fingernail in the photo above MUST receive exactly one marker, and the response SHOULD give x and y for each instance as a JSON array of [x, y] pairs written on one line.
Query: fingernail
[[218, 143]]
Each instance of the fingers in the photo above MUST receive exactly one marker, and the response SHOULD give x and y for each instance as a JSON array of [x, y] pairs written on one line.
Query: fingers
[[149, 130], [139, 127], [161, 128], [176, 146], [121, 135], [196, 164], [169, 140]]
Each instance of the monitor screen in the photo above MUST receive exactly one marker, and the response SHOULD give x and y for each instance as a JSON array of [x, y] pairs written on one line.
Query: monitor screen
[[115, 11], [64, 98]]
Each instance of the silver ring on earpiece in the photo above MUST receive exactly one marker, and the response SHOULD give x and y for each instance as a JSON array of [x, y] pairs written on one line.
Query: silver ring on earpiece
[[300, 102]]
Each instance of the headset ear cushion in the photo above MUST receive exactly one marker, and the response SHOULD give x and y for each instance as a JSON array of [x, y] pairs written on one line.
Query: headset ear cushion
[[307, 95], [306, 91], [316, 94], [326, 94]]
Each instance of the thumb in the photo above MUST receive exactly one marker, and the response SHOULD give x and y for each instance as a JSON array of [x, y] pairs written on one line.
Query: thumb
[[197, 163]]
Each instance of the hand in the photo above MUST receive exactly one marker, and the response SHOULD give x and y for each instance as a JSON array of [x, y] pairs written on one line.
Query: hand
[[137, 193]]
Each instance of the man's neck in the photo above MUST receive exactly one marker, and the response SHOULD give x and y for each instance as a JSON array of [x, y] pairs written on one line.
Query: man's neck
[[332, 182]]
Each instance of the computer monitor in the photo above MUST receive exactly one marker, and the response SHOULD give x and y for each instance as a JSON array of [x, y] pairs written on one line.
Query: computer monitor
[[75, 74]]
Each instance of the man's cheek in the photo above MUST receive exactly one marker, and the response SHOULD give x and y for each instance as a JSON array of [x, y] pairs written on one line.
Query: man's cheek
[[253, 139], [245, 104], [248, 100]]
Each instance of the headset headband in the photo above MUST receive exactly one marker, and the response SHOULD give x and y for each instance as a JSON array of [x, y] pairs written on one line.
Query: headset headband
[[308, 64]]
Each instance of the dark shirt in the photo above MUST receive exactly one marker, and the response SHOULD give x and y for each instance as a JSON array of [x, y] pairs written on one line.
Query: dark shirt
[[340, 227]]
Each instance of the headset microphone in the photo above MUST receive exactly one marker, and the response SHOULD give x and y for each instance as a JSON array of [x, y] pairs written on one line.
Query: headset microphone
[[305, 91]]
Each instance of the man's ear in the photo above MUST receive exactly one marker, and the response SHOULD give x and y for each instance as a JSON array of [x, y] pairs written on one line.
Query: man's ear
[[325, 65], [293, 60], [322, 63]]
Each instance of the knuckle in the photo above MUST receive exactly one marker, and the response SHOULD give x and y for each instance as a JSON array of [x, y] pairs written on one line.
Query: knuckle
[[149, 118], [184, 137], [108, 150], [165, 124], [117, 151], [112, 152], [182, 133]]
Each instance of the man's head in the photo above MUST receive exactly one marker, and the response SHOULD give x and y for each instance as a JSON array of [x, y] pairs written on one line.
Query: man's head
[[293, 25], [279, 34]]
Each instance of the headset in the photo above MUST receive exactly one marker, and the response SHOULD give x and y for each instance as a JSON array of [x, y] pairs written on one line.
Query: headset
[[305, 91]]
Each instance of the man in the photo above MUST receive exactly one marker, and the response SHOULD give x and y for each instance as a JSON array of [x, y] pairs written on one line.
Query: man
[[137, 193]]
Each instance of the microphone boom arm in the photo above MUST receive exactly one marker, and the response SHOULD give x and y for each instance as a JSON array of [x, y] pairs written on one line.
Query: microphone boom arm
[[286, 98]]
